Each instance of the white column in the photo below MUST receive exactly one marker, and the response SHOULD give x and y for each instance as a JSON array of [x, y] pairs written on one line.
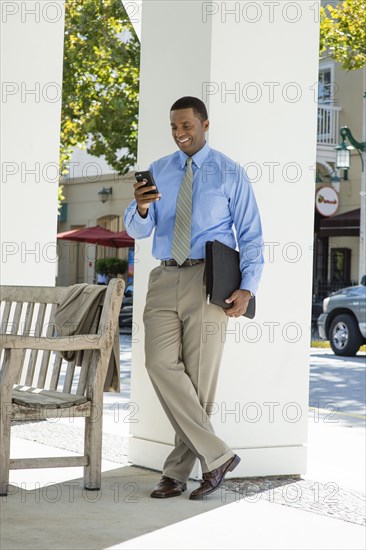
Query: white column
[[255, 65], [31, 82]]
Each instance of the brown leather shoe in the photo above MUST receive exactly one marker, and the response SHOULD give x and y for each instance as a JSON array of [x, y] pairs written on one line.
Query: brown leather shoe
[[168, 487], [212, 480]]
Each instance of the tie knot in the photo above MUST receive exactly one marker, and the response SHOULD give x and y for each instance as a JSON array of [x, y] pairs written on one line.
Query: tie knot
[[189, 161]]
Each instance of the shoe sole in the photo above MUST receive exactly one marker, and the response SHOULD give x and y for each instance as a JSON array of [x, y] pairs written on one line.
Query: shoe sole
[[233, 464], [168, 496]]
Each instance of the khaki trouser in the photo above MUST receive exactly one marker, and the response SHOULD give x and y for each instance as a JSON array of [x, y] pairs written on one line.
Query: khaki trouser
[[183, 349]]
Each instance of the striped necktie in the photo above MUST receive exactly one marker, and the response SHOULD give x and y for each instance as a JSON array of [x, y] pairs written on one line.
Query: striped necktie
[[182, 230]]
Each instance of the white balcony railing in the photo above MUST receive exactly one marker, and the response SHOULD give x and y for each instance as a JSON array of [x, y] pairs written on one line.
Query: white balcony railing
[[328, 125]]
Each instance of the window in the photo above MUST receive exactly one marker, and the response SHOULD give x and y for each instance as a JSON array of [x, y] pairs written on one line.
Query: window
[[328, 111], [326, 85], [340, 266]]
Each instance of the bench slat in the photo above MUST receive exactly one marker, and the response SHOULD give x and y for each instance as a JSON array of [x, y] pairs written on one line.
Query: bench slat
[[39, 398], [28, 319], [16, 318], [69, 377], [48, 462], [47, 353], [87, 356], [27, 327], [26, 413], [56, 371], [63, 343], [34, 353], [5, 318], [37, 294]]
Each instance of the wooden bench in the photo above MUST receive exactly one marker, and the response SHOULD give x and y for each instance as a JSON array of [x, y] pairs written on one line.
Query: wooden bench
[[36, 383]]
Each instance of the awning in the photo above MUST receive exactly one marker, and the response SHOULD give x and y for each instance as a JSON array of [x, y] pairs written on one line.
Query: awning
[[342, 225]]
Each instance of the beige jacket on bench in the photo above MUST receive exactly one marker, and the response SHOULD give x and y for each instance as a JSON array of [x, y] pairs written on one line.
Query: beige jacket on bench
[[78, 314]]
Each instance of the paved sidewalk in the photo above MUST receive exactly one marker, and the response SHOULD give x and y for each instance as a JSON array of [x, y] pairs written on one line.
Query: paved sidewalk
[[325, 509]]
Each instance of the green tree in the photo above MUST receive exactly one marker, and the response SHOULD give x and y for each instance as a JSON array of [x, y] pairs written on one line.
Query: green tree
[[100, 83], [343, 33]]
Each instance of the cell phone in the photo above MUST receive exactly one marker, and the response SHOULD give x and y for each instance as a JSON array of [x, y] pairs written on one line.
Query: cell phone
[[146, 175]]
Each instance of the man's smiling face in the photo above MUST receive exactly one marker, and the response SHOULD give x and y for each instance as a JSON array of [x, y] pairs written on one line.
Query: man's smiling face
[[188, 130]]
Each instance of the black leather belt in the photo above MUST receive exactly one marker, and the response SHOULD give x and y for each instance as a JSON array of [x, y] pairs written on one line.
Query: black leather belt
[[186, 263]]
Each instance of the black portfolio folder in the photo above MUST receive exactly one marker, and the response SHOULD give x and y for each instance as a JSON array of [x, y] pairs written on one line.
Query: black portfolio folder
[[223, 275]]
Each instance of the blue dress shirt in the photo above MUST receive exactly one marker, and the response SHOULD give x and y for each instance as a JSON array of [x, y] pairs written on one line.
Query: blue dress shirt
[[221, 196]]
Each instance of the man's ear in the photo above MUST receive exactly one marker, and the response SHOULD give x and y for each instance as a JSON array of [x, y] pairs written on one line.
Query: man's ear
[[206, 125]]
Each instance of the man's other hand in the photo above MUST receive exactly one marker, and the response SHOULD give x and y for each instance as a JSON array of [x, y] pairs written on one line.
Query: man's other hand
[[239, 300]]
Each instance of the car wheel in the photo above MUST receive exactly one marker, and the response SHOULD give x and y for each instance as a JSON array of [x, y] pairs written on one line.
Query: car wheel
[[344, 335]]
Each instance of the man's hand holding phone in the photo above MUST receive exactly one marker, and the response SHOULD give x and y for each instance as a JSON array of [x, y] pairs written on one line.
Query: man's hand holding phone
[[146, 192]]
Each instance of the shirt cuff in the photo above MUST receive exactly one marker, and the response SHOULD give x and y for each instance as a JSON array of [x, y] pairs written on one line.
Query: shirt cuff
[[249, 284], [140, 219]]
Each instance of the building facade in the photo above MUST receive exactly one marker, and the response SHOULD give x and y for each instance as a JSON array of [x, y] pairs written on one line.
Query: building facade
[[337, 198], [83, 206]]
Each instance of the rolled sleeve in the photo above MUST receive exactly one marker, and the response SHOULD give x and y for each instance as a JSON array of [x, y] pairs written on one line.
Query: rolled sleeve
[[248, 227], [136, 226]]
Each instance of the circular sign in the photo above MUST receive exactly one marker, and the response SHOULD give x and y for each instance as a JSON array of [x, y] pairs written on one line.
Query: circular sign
[[326, 201]]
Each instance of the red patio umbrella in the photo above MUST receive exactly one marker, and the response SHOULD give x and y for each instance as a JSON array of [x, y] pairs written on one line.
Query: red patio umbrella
[[95, 235], [99, 236], [122, 239]]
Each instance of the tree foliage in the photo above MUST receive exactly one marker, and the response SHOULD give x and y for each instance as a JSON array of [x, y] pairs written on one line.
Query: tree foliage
[[343, 33], [100, 83]]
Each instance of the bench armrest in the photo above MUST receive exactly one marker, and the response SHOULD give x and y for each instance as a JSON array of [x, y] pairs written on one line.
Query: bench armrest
[[64, 343]]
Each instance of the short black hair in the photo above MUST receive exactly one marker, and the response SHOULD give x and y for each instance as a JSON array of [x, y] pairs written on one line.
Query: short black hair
[[189, 102]]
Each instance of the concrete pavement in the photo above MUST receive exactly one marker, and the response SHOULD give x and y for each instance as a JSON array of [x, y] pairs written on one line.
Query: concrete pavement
[[49, 508]]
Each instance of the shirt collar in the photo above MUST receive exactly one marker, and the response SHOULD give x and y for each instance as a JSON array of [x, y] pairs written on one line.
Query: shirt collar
[[198, 158]]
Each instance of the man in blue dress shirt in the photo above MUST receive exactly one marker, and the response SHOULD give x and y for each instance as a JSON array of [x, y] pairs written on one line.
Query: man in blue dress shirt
[[183, 351]]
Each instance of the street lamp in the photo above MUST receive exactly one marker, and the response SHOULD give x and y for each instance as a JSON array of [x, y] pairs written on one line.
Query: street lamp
[[343, 150], [343, 161], [104, 194]]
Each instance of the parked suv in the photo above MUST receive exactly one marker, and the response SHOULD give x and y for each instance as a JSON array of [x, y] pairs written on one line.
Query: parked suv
[[343, 321]]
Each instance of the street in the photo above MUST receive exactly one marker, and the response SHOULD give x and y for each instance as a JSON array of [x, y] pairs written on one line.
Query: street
[[337, 387], [336, 427]]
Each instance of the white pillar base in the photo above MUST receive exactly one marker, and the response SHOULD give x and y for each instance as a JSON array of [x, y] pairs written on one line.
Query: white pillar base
[[266, 461]]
